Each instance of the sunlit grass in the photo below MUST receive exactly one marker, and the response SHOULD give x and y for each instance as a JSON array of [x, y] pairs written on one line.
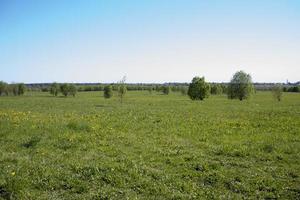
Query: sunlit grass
[[152, 146]]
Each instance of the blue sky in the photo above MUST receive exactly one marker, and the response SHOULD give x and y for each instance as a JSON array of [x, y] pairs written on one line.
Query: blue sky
[[149, 40]]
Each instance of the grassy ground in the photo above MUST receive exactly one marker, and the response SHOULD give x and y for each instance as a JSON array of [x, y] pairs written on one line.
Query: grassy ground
[[151, 147]]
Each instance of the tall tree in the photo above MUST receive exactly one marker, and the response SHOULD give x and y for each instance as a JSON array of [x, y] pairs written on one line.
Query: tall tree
[[54, 89], [166, 89], [64, 88], [122, 89], [277, 92], [240, 86], [198, 89], [3, 87], [21, 88], [72, 90]]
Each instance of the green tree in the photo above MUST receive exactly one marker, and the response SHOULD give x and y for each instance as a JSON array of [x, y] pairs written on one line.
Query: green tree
[[54, 89], [108, 92], [72, 90], [64, 88], [240, 86], [101, 87], [294, 89], [15, 89], [216, 89], [150, 89], [174, 88], [166, 89], [277, 92], [157, 88], [198, 89], [9, 89], [285, 89], [115, 87], [3, 88], [122, 89], [183, 90], [21, 88]]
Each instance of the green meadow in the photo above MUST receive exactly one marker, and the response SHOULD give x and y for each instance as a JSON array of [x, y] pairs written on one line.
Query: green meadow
[[152, 146]]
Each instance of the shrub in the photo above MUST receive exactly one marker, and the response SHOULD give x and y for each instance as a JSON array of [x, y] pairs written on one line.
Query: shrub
[[240, 86], [294, 89], [3, 88], [87, 88], [108, 92], [72, 90], [157, 88], [122, 89], [64, 88], [101, 88], [198, 89], [277, 92], [166, 89], [54, 89], [9, 89], [15, 89], [45, 89], [184, 90], [224, 88], [174, 89], [21, 88], [150, 90], [285, 89], [216, 89], [115, 87]]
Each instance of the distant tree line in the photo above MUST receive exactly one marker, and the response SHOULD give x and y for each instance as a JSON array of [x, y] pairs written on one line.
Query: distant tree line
[[240, 87], [121, 89], [291, 89], [14, 89], [174, 87], [65, 88]]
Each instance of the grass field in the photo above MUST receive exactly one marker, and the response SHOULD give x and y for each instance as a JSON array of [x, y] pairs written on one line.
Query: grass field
[[152, 147]]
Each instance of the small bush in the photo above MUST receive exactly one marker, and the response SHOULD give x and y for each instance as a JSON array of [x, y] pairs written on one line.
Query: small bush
[[277, 92], [72, 90], [3, 88], [12, 89], [21, 88], [216, 89], [183, 90], [54, 89], [166, 90], [108, 92], [122, 89], [150, 89], [64, 88], [294, 89], [198, 89]]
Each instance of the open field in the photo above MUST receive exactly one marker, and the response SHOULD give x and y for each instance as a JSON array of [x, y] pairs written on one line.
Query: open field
[[152, 147]]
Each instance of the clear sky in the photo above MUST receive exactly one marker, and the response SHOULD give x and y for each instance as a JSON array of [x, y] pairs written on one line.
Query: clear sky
[[148, 40]]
